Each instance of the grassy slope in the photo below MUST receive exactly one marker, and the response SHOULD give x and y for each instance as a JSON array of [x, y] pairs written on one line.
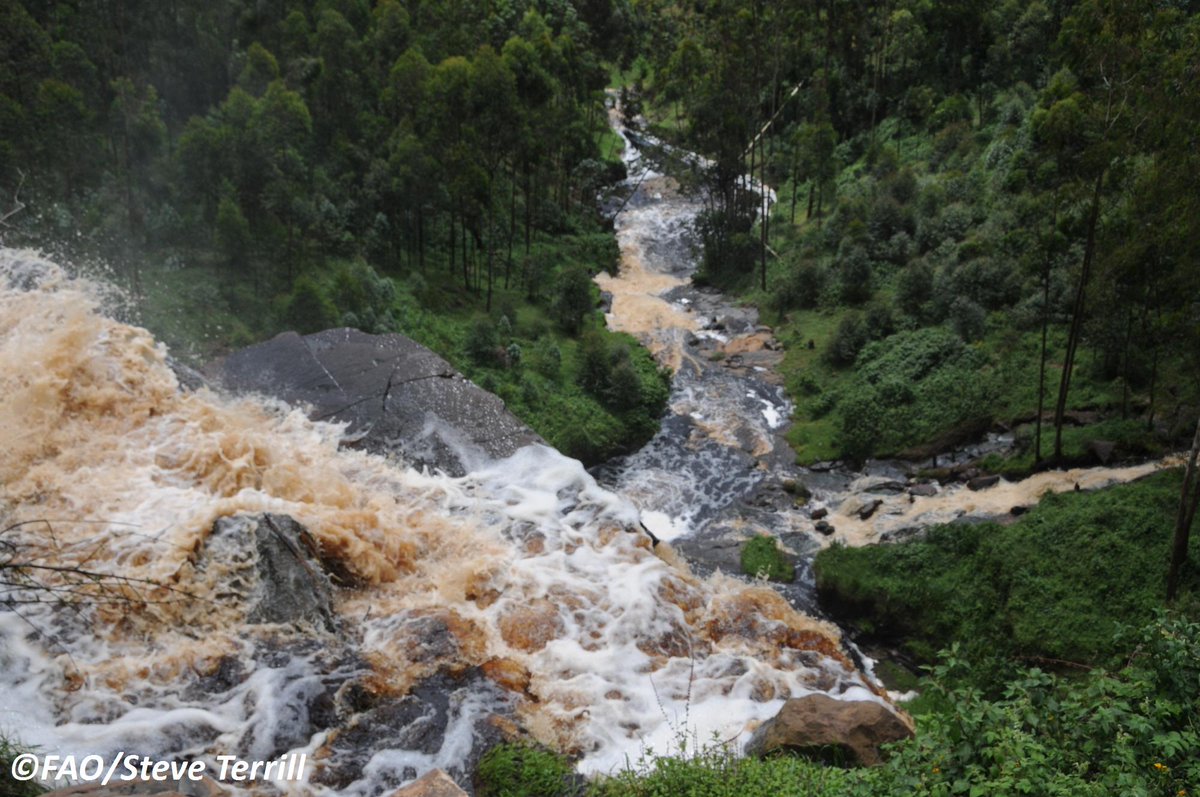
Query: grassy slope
[[1055, 584]]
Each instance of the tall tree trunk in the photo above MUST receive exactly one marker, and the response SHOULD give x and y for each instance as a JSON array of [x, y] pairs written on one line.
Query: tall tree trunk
[[1041, 403], [421, 237], [491, 247], [466, 262], [764, 229], [795, 186], [1188, 496], [1073, 336], [512, 224], [1125, 365], [528, 206]]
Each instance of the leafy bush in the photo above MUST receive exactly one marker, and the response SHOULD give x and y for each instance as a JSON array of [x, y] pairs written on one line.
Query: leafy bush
[[308, 309], [801, 287], [854, 276], [851, 335], [521, 770], [482, 341], [573, 298]]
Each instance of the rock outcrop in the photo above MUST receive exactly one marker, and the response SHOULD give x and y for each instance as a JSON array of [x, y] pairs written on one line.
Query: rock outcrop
[[816, 724], [277, 565], [397, 396]]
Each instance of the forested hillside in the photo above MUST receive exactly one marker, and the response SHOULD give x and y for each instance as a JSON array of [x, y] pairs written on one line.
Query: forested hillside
[[987, 212], [423, 167]]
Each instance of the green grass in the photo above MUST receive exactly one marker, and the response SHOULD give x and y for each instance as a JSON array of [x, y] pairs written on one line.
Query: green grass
[[1056, 584], [9, 787], [761, 557]]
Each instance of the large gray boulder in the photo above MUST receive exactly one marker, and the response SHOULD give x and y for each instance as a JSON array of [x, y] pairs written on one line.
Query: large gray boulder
[[397, 396]]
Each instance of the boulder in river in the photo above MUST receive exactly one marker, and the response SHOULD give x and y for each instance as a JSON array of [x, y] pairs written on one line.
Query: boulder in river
[[817, 723], [869, 508], [396, 395], [983, 482], [923, 490], [277, 562]]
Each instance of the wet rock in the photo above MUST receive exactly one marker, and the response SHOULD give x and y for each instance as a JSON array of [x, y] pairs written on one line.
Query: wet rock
[[606, 301], [529, 627], [923, 490], [277, 564], [508, 673], [440, 707], [815, 723], [434, 783], [824, 527], [869, 508], [1102, 450], [190, 380], [396, 396], [1017, 511], [817, 514], [982, 482]]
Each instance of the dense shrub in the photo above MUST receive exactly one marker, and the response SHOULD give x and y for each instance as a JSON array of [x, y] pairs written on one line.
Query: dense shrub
[[308, 309], [854, 275]]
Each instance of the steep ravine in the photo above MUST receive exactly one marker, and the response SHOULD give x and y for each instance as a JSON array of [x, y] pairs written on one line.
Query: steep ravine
[[720, 469]]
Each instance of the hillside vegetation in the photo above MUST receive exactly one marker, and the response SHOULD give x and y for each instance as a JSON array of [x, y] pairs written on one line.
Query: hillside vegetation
[[986, 212], [418, 167]]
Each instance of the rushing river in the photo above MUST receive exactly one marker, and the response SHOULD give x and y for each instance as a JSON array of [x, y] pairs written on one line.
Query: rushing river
[[520, 598]]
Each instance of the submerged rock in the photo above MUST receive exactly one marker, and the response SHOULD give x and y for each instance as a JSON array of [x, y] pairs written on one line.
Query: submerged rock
[[276, 563], [397, 396], [815, 723]]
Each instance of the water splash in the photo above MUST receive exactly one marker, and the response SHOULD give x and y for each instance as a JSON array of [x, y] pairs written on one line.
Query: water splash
[[523, 589]]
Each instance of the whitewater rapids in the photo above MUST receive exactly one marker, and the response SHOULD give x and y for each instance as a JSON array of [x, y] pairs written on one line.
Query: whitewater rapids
[[589, 639]]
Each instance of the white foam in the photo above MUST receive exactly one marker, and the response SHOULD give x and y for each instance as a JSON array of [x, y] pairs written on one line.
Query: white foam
[[665, 527]]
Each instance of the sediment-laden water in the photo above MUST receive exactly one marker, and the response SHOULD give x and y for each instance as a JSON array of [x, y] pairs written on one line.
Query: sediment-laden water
[[523, 595]]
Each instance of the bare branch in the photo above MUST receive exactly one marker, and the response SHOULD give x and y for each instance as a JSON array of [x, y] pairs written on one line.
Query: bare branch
[[18, 205]]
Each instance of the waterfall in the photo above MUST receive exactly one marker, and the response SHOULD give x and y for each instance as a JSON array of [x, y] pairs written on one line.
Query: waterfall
[[522, 594]]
